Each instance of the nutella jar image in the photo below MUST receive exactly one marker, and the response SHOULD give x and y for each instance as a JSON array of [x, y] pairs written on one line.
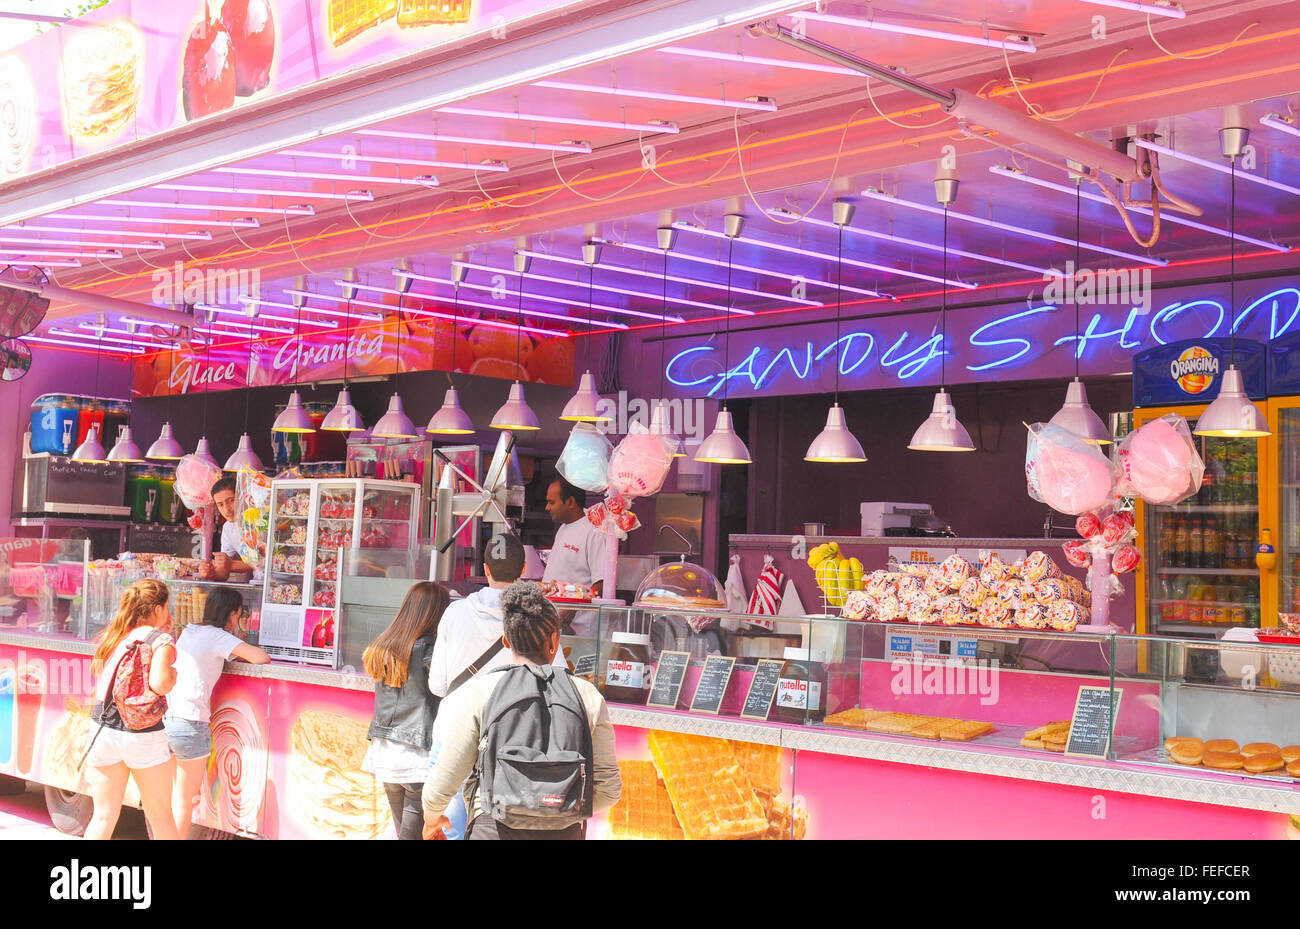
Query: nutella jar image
[[801, 687], [627, 670]]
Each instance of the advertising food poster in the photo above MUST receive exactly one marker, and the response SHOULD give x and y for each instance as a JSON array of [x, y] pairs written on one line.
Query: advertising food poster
[[235, 783], [135, 68]]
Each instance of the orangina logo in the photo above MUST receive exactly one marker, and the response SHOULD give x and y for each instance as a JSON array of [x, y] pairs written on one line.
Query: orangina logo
[[1194, 369]]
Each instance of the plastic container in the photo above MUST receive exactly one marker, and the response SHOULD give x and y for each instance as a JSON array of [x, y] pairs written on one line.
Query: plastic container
[[117, 413], [681, 585], [627, 670], [169, 505], [54, 424], [801, 687], [90, 414]]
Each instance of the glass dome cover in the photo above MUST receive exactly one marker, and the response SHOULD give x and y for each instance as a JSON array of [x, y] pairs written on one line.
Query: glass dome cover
[[681, 585]]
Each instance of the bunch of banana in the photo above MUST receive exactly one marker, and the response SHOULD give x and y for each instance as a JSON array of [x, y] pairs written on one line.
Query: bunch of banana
[[822, 552], [835, 576]]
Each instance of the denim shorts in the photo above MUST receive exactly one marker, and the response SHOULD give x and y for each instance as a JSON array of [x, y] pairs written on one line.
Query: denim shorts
[[187, 739]]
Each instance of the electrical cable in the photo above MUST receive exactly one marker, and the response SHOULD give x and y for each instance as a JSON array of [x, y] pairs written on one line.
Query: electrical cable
[[894, 122], [1039, 112], [1191, 57], [579, 193], [740, 163]]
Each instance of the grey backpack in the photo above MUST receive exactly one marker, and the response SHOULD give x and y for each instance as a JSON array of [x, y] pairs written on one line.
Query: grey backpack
[[535, 755]]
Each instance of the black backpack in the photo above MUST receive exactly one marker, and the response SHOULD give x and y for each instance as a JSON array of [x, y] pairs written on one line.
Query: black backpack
[[535, 755]]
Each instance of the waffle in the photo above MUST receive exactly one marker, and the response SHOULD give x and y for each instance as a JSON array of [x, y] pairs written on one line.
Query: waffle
[[347, 19], [896, 723], [711, 795], [965, 730], [432, 12], [644, 809], [1062, 725], [931, 727], [779, 815], [761, 764], [856, 718]]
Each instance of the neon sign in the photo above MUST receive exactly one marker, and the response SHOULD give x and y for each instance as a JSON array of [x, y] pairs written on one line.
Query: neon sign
[[893, 351]]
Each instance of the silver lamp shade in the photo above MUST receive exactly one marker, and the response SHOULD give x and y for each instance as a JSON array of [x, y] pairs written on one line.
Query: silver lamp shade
[[660, 426], [203, 453], [91, 449], [395, 424], [126, 450], [835, 443], [723, 446], [166, 448], [244, 458], [942, 431], [1232, 414], [1078, 416], [450, 419], [515, 414], [584, 406], [343, 417], [294, 418]]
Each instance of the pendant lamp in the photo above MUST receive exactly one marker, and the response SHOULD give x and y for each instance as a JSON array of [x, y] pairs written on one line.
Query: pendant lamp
[[450, 419], [1232, 414], [836, 444], [1077, 415], [343, 416], [204, 453], [661, 426], [584, 406], [165, 447], [942, 431], [294, 418], [126, 451], [515, 414], [92, 449], [395, 424], [723, 446], [660, 420], [244, 458]]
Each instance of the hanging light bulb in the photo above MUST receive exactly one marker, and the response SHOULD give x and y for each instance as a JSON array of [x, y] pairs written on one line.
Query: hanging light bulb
[[942, 431], [584, 406], [723, 446], [244, 458], [293, 418], [395, 424], [343, 417], [1078, 416], [1231, 414], [515, 414], [450, 419], [836, 444], [659, 425], [125, 450], [165, 447], [91, 449], [203, 453]]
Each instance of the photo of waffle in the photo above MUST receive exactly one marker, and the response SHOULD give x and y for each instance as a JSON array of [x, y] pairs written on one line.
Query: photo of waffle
[[17, 116], [432, 12], [234, 786], [945, 728], [329, 794], [644, 809], [347, 19], [103, 69]]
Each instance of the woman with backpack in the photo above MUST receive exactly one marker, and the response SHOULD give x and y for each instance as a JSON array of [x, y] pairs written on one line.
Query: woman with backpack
[[134, 671], [404, 708], [537, 741], [201, 654]]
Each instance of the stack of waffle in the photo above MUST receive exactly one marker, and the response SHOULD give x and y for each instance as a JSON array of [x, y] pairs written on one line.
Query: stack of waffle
[[946, 728], [347, 19]]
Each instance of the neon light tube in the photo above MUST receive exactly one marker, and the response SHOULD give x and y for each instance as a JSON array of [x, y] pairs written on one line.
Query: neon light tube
[[91, 327], [1214, 166], [323, 323], [490, 323], [247, 327], [762, 104], [716, 308], [241, 223], [58, 253], [717, 263], [426, 180], [1172, 10], [137, 343], [304, 210], [637, 272], [50, 263], [343, 314], [652, 126], [581, 148], [434, 280], [263, 192], [1164, 217], [1277, 121], [1007, 227], [19, 240], [1011, 45], [125, 233], [756, 60], [63, 343], [485, 165], [915, 243], [549, 299], [809, 253]]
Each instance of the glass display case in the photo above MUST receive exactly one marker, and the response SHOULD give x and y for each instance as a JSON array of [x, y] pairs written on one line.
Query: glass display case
[[311, 523], [43, 586]]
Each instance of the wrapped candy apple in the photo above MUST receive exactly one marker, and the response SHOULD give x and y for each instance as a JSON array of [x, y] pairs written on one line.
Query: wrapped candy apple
[[1126, 559], [1076, 553], [1087, 525]]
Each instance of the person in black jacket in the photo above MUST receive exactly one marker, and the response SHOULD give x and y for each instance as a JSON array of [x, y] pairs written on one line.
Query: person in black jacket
[[400, 731]]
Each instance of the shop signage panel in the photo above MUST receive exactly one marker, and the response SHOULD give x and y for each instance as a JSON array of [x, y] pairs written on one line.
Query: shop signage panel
[[713, 684], [1191, 371], [762, 689]]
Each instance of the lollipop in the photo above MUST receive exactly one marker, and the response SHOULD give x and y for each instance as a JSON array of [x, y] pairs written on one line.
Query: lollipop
[[1087, 525], [1126, 559], [1076, 553], [596, 515], [1115, 529]]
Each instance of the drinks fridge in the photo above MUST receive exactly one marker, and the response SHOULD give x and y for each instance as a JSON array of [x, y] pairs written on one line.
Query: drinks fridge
[[1199, 574], [1284, 504]]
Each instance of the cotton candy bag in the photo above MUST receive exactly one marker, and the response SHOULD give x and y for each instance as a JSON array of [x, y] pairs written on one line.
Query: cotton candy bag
[[640, 463], [1159, 462], [585, 460], [1065, 472], [194, 480]]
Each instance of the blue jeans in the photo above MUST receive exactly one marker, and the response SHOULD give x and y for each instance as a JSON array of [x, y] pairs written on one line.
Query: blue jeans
[[457, 814]]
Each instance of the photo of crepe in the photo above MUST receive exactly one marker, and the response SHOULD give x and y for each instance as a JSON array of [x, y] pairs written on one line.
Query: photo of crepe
[[330, 794], [17, 116], [432, 12], [103, 68], [347, 19], [234, 787]]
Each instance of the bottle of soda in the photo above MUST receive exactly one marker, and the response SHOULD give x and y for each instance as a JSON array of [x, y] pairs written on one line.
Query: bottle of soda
[[1207, 487], [1195, 542], [1178, 554], [1238, 606], [1250, 487], [1212, 544]]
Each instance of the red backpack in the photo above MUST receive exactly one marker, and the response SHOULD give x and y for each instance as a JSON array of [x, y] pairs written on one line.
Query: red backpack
[[137, 705]]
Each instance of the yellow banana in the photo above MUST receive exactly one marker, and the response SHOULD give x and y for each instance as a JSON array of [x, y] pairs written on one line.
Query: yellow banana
[[846, 577], [826, 572], [857, 573], [819, 554]]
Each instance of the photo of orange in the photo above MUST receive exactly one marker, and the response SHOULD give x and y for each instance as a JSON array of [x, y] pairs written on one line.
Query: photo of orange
[[551, 362]]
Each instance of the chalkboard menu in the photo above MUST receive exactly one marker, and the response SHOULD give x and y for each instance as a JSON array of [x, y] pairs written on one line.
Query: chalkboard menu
[[1092, 722], [762, 689], [585, 667], [713, 684], [668, 679]]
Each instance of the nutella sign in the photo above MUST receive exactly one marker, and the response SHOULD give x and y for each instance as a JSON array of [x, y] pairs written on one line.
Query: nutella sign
[[625, 674], [797, 694]]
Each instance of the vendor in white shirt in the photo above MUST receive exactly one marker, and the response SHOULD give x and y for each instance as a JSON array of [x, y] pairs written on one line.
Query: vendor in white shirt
[[226, 561], [578, 553]]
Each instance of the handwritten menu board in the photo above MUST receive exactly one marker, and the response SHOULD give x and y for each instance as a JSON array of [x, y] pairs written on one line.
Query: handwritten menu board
[[713, 684], [668, 679], [585, 667], [1093, 720], [762, 689]]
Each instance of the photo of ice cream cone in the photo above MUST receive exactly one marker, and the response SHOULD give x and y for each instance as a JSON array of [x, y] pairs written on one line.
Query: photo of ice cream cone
[[29, 695], [6, 717]]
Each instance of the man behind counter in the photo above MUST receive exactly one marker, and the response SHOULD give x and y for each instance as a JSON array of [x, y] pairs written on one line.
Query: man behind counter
[[578, 553], [226, 561]]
